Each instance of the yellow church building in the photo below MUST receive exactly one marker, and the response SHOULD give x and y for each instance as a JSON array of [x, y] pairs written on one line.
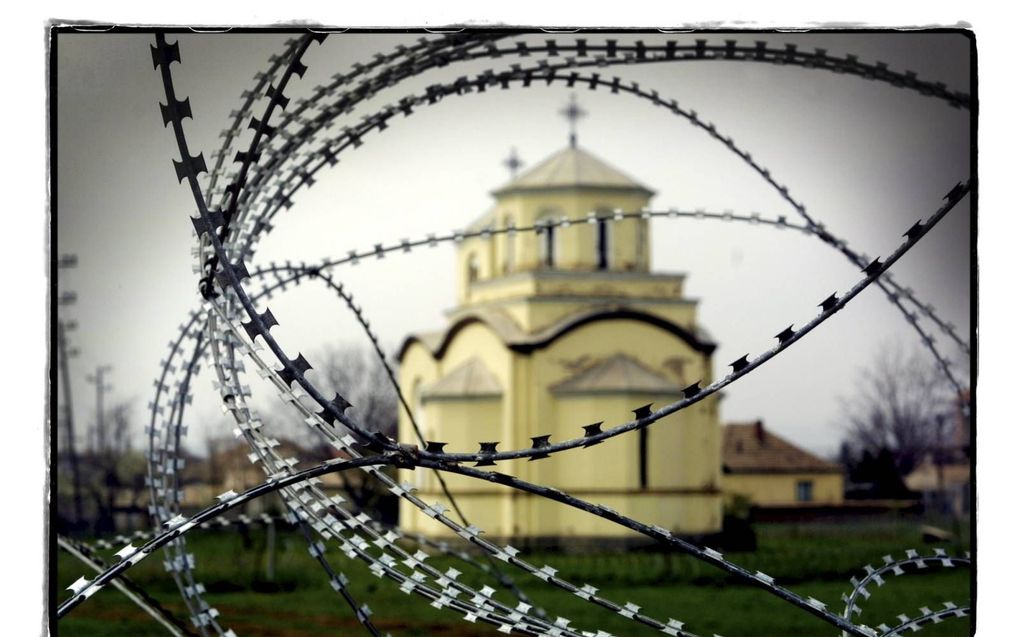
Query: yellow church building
[[556, 329]]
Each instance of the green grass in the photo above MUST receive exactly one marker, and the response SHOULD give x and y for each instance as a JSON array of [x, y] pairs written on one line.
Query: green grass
[[815, 560]]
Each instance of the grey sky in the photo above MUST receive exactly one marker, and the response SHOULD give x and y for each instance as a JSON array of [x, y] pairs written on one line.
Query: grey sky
[[867, 159]]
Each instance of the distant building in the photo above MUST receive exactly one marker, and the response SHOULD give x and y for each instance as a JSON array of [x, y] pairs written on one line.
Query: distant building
[[943, 477], [560, 328], [770, 471], [233, 466], [944, 488]]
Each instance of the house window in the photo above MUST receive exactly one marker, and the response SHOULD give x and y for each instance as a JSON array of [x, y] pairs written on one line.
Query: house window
[[472, 269], [805, 490]]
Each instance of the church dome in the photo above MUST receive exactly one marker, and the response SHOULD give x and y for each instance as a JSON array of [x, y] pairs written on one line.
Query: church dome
[[572, 168]]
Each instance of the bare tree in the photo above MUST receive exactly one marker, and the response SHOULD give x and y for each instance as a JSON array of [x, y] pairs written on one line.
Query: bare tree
[[113, 472], [360, 377], [898, 410]]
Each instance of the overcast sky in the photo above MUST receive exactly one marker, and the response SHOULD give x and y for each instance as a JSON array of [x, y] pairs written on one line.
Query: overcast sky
[[867, 159]]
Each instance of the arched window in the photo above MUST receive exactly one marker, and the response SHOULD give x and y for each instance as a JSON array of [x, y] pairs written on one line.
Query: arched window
[[642, 241], [508, 253], [603, 246], [472, 268], [546, 227]]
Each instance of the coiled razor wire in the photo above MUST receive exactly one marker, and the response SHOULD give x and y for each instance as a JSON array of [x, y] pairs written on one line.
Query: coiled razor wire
[[227, 235], [545, 72], [132, 591]]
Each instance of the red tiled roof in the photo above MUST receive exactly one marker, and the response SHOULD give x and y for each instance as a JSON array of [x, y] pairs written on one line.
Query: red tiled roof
[[750, 448]]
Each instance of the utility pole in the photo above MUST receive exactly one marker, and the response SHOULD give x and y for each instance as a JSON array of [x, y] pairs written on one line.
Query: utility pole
[[101, 388], [64, 354], [103, 455], [68, 416]]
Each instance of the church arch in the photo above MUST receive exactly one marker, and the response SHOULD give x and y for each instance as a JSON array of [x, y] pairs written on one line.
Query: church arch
[[523, 343], [569, 326]]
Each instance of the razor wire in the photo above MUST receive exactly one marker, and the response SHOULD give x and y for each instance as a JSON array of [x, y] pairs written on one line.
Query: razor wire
[[384, 542], [230, 134], [292, 366], [346, 444], [913, 563], [927, 616], [83, 553], [638, 53], [296, 276], [228, 280], [434, 93], [277, 354], [913, 236], [263, 521], [235, 406], [315, 271]]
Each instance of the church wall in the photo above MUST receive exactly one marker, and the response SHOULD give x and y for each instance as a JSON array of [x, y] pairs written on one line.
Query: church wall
[[659, 350], [686, 514], [417, 369], [461, 423], [681, 495], [683, 450], [465, 424], [477, 340]]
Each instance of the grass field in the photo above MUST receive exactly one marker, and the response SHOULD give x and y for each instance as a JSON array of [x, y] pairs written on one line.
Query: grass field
[[815, 560]]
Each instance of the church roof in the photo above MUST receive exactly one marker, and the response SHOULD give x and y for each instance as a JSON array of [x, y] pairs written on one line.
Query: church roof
[[617, 374], [572, 167], [470, 379], [750, 448]]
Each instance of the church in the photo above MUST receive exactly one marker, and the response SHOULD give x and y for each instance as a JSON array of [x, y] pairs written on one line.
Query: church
[[555, 329]]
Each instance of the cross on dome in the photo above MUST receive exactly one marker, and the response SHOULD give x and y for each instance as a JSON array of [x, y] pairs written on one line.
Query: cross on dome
[[513, 162], [573, 112]]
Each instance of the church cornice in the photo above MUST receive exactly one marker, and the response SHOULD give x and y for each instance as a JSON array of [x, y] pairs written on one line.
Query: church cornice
[[498, 304], [586, 275], [511, 191]]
